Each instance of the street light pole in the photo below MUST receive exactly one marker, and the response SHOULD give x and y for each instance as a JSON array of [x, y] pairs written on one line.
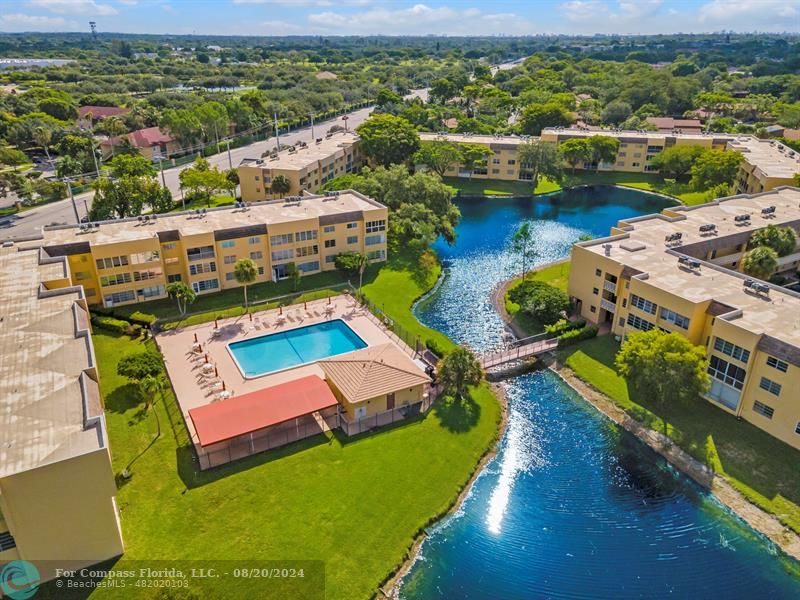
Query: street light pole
[[94, 156], [277, 133], [74, 205], [312, 126]]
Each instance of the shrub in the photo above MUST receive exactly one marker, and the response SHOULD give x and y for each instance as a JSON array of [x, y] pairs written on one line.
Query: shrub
[[540, 300], [562, 326], [116, 325], [434, 347], [577, 335]]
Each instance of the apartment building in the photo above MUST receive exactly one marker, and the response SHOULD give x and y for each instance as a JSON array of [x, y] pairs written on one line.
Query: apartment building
[[133, 260], [767, 163], [57, 487], [307, 166], [678, 271]]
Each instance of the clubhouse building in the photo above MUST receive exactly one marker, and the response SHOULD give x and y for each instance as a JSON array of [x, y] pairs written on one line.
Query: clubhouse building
[[680, 271]]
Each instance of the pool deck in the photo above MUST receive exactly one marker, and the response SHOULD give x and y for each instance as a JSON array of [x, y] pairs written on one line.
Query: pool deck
[[185, 366]]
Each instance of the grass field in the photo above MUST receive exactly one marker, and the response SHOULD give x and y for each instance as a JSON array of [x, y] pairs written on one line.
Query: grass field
[[354, 503], [556, 275], [762, 468]]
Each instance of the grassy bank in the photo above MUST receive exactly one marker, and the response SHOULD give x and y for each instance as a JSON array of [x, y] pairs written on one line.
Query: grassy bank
[[556, 275], [642, 181], [354, 503], [761, 467]]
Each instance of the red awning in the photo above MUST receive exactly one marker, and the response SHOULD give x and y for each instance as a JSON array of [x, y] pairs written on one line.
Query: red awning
[[244, 414]]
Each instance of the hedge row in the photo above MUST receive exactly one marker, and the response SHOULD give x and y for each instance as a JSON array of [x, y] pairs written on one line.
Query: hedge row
[[577, 335], [563, 326], [117, 325], [136, 317]]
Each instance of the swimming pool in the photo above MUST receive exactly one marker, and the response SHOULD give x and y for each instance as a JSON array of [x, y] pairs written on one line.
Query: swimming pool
[[287, 349]]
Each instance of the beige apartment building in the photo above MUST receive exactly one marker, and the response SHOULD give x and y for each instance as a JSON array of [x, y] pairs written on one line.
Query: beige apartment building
[[133, 260], [57, 487], [307, 166], [680, 271]]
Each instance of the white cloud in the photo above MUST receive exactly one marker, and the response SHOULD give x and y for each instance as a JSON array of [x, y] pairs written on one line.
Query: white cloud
[[419, 19], [299, 3], [21, 22], [74, 7], [749, 15], [281, 28], [596, 16]]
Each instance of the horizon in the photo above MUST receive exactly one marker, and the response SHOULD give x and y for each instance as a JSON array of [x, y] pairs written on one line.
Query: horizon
[[396, 18]]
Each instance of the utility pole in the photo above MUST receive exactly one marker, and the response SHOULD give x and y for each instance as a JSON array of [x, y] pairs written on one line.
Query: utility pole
[[277, 133], [161, 167], [230, 160], [312, 126], [74, 205], [94, 156]]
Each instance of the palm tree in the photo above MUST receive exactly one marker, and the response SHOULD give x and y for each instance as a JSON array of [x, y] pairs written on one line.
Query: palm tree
[[522, 242], [113, 127], [43, 136], [281, 184], [761, 262], [459, 370], [294, 274], [245, 272], [183, 294], [151, 386]]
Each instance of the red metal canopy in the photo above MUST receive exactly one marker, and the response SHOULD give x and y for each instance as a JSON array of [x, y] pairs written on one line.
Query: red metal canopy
[[250, 412]]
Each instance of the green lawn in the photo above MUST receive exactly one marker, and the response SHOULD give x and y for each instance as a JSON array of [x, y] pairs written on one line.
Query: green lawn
[[761, 467], [556, 275], [355, 503], [498, 187], [215, 201]]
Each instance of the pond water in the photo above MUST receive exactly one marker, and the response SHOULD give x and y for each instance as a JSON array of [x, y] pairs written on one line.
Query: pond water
[[571, 506]]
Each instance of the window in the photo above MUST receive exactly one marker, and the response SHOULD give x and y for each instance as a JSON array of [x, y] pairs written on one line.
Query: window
[[330, 258], [639, 323], [330, 243], [210, 267], [168, 246], [731, 350], [307, 251], [329, 228], [593, 309], [673, 317], [90, 292], [622, 154], [260, 270], [636, 164], [777, 364], [254, 240], [621, 322], [763, 410], [598, 272], [145, 257], [495, 171], [174, 278], [495, 161], [200, 253], [256, 255], [280, 240], [230, 259], [283, 254], [726, 372], [643, 305], [205, 285], [770, 386], [352, 225], [512, 162], [151, 292], [230, 276], [376, 255], [228, 243], [353, 239], [595, 291], [371, 240], [147, 275], [119, 297], [308, 266], [111, 261], [306, 236], [375, 226], [118, 279], [82, 275]]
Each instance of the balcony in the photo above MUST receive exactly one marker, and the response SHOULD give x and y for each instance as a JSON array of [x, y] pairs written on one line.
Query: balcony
[[609, 306], [610, 286]]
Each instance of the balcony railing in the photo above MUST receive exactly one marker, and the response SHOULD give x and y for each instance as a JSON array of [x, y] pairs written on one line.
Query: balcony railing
[[609, 306], [610, 286]]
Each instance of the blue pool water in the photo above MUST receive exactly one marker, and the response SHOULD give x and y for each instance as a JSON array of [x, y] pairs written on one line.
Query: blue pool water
[[277, 351], [572, 506]]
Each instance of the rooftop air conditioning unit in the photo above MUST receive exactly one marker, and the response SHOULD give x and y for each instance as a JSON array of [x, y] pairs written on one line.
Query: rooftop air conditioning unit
[[607, 248]]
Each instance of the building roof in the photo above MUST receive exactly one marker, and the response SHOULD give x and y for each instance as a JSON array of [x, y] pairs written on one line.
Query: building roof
[[101, 112], [142, 138], [330, 147], [636, 136], [640, 246], [771, 157], [475, 138], [50, 407], [256, 219], [247, 413], [373, 371], [668, 123]]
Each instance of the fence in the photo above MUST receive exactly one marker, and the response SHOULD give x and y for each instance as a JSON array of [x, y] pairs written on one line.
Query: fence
[[267, 438], [405, 339], [401, 413]]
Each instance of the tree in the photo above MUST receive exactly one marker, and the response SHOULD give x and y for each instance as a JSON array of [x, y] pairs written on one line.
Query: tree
[[782, 240], [677, 161], [540, 300], [439, 156], [539, 159], [151, 386], [203, 180], [131, 165], [536, 117], [575, 150], [281, 184], [714, 167], [472, 155], [442, 90], [352, 262], [43, 136], [245, 273], [603, 148], [616, 112], [522, 243], [387, 139], [664, 366], [760, 262], [294, 274], [459, 370], [413, 224], [139, 365], [127, 197], [183, 295]]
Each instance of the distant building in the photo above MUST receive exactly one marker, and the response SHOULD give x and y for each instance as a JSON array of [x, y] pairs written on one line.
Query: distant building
[[779, 131], [88, 116], [29, 63], [150, 142], [670, 125]]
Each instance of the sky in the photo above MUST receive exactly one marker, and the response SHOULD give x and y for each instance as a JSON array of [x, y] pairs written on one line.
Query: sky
[[398, 17]]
